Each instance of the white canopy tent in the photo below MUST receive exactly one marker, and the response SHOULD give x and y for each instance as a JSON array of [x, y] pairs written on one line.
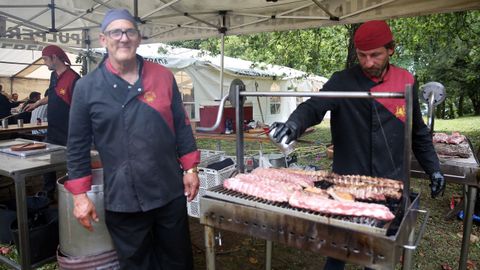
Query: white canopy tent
[[23, 71], [30, 24]]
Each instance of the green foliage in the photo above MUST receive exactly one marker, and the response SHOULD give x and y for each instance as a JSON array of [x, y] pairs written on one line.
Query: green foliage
[[439, 47]]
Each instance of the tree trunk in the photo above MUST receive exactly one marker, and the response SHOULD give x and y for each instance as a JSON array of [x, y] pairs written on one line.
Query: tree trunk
[[461, 101], [351, 55], [475, 98]]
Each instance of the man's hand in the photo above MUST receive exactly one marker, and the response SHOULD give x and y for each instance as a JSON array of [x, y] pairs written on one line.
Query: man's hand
[[437, 184], [29, 107], [191, 184], [84, 210], [288, 129]]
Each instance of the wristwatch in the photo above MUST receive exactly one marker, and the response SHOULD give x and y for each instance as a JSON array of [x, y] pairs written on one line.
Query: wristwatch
[[192, 170]]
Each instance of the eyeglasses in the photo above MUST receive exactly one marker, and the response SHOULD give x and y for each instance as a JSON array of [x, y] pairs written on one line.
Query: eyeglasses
[[117, 34]]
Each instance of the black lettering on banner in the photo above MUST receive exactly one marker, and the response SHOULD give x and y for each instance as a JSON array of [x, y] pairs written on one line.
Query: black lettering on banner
[[63, 37], [13, 33], [27, 34], [19, 46], [42, 35], [6, 45], [54, 37]]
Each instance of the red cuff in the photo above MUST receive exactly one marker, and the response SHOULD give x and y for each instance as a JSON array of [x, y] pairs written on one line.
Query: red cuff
[[190, 160], [79, 185]]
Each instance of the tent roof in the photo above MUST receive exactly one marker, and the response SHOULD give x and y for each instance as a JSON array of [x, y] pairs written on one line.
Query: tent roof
[[29, 22]]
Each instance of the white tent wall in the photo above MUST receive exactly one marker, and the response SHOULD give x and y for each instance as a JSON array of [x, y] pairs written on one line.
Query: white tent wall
[[205, 78], [23, 86]]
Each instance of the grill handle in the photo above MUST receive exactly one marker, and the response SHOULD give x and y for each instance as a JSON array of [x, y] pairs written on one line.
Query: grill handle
[[422, 229]]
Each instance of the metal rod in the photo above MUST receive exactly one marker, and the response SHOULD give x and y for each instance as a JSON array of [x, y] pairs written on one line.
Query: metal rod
[[209, 247], [322, 7], [268, 255], [467, 226], [239, 129], [145, 16], [408, 253], [135, 9], [219, 117], [22, 220], [52, 8], [431, 112], [329, 94], [222, 59], [407, 148]]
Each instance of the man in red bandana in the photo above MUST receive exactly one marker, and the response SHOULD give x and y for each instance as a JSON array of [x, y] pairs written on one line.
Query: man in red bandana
[[58, 98], [368, 133]]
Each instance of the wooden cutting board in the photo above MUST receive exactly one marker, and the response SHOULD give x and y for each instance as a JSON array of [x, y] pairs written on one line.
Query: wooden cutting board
[[28, 146]]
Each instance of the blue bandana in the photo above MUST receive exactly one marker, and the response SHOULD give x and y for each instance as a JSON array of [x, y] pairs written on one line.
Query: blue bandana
[[116, 14]]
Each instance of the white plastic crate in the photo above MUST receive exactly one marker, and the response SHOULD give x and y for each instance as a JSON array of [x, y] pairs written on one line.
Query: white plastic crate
[[208, 178]]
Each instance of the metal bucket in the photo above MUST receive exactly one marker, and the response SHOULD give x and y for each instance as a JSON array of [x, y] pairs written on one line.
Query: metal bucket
[[105, 260], [277, 160], [75, 240]]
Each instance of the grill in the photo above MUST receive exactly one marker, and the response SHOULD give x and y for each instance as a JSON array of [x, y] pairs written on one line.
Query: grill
[[464, 171], [364, 241]]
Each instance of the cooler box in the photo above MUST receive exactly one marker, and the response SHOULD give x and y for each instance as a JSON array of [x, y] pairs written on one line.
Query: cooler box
[[208, 115]]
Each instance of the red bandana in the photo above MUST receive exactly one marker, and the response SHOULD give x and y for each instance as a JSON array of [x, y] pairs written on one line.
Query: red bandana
[[372, 35]]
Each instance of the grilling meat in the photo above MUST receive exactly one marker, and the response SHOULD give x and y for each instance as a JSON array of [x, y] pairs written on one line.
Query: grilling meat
[[285, 176], [267, 189], [368, 192], [455, 138], [319, 203], [355, 181], [347, 180]]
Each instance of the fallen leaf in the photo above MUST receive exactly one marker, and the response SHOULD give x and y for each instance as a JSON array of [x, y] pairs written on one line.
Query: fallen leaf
[[445, 266], [5, 250], [252, 260], [471, 265]]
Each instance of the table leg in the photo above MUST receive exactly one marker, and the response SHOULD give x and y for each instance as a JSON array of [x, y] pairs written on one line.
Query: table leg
[[22, 220], [471, 197], [268, 255], [408, 253], [210, 247]]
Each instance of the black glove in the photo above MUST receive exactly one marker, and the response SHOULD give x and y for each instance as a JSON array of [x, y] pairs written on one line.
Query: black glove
[[289, 129], [437, 184]]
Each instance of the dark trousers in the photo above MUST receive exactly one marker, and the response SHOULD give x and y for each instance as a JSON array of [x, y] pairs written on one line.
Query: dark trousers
[[334, 264], [156, 239]]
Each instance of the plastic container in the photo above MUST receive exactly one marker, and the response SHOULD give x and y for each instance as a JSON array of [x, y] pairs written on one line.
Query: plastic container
[[43, 235], [208, 179]]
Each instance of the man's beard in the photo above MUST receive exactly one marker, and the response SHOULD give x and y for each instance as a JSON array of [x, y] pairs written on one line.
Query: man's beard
[[376, 72]]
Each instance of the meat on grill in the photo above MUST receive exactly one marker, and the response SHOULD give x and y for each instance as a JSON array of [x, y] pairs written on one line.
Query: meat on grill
[[267, 189], [455, 138], [368, 192], [361, 180], [285, 176], [319, 203], [348, 180]]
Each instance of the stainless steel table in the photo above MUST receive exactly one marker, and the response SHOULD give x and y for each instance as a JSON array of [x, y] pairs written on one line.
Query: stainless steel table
[[19, 168], [464, 171]]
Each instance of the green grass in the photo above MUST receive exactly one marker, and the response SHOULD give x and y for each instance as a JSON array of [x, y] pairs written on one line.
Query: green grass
[[439, 247]]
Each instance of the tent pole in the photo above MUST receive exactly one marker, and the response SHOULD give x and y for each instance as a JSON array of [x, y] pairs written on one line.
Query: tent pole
[[87, 61], [222, 58], [222, 31], [52, 7]]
